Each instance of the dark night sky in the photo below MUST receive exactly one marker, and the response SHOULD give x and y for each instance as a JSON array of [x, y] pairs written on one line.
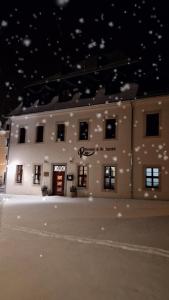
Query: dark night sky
[[41, 38]]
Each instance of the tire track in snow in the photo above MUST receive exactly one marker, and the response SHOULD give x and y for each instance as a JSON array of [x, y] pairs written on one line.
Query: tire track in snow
[[91, 241]]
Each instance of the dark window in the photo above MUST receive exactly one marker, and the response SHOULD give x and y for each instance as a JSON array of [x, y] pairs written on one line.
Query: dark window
[[8, 127], [152, 178], [82, 176], [109, 177], [39, 134], [110, 128], [19, 173], [36, 174], [152, 124], [22, 135], [83, 131], [60, 132]]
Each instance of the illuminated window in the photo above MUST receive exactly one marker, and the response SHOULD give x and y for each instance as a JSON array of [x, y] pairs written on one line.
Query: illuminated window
[[22, 135], [19, 173], [152, 178], [39, 134], [152, 124], [83, 130], [60, 135], [36, 174], [82, 176], [110, 128], [109, 177]]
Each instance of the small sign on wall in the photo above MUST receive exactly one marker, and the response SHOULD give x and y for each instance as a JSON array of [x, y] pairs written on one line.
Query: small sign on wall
[[46, 174], [70, 177]]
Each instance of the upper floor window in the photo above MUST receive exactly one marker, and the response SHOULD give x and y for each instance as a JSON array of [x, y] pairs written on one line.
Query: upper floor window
[[60, 134], [152, 178], [110, 129], [83, 130], [109, 177], [39, 134], [82, 176], [36, 174], [22, 135], [19, 173], [152, 124]]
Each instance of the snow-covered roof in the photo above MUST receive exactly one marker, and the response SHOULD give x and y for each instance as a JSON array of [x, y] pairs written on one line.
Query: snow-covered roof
[[127, 93]]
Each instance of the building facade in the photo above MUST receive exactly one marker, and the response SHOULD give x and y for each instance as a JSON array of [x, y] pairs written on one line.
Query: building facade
[[115, 149]]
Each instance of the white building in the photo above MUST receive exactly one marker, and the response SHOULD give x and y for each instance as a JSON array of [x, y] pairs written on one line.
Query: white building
[[106, 147]]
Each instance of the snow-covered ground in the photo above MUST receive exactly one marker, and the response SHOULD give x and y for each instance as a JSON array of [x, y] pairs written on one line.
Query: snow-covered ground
[[80, 248]]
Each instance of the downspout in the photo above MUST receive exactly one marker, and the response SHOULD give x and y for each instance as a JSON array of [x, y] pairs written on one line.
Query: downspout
[[132, 148]]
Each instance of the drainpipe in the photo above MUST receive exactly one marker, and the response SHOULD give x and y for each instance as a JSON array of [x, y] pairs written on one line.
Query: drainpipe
[[131, 148]]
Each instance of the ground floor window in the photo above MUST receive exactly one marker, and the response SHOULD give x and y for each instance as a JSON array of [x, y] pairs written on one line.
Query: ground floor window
[[152, 177], [19, 173], [36, 174], [82, 176], [109, 177]]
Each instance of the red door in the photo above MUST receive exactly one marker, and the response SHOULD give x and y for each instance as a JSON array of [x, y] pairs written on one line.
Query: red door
[[58, 181]]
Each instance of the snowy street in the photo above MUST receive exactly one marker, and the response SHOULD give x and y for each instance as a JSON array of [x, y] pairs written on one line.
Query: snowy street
[[72, 248]]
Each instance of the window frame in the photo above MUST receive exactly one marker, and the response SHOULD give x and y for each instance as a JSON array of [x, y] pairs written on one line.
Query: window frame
[[114, 177], [152, 177], [19, 137], [88, 133], [83, 175], [145, 123], [105, 120], [39, 173], [40, 125], [17, 173], [57, 139]]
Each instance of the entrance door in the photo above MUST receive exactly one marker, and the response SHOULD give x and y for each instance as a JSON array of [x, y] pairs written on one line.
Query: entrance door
[[58, 180]]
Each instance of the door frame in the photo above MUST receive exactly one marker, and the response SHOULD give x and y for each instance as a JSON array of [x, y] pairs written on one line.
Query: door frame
[[65, 186]]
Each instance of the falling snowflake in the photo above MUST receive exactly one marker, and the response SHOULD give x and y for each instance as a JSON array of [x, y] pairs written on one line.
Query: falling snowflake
[[62, 2], [26, 42], [90, 198], [125, 87], [111, 24], [4, 23], [146, 194], [81, 20]]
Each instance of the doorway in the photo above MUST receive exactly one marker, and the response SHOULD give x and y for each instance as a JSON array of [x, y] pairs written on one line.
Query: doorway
[[59, 180]]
